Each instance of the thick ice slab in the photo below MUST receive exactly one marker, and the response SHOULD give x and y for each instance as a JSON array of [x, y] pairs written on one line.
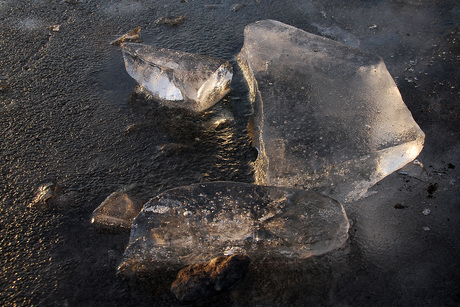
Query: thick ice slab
[[178, 79], [199, 222], [327, 116]]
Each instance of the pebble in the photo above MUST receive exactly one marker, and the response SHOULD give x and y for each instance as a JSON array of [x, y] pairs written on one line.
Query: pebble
[[203, 280]]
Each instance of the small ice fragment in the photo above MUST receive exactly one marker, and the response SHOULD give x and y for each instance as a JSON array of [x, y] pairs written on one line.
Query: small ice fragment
[[178, 79], [426, 211], [373, 27], [117, 211], [227, 218], [348, 127], [131, 36], [426, 228]]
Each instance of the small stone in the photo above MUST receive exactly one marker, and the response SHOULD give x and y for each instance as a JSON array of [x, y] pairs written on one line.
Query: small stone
[[202, 280], [170, 21], [237, 7], [432, 188], [426, 211], [54, 28], [426, 228], [3, 83], [399, 206]]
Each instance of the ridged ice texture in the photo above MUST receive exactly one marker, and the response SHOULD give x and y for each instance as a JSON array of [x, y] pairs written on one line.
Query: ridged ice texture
[[327, 116], [178, 79], [199, 222]]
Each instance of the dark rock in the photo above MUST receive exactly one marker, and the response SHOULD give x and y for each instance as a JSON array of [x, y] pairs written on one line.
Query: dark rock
[[202, 280], [432, 188]]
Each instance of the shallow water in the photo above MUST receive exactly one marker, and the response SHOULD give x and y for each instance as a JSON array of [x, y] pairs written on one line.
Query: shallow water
[[69, 116]]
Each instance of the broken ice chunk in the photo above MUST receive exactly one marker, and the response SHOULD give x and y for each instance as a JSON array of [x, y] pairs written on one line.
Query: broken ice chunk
[[117, 211], [199, 222], [178, 79], [327, 116]]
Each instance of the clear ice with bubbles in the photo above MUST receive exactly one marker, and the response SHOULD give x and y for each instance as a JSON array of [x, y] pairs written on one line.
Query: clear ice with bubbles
[[196, 223], [327, 116], [178, 79]]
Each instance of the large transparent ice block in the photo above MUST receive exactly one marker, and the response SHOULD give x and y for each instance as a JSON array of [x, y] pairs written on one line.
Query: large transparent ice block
[[178, 79], [327, 116], [202, 221]]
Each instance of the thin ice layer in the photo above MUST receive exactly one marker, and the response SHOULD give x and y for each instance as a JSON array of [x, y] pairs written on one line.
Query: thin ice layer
[[327, 116], [178, 79], [199, 222]]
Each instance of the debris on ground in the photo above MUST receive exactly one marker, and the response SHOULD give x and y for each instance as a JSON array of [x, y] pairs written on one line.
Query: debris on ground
[[170, 21], [132, 36], [3, 83]]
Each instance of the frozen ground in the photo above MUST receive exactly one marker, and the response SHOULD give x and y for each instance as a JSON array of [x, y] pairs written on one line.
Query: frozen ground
[[68, 117]]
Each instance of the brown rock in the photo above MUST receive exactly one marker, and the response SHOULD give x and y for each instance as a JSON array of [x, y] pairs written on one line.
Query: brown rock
[[202, 280], [131, 36], [170, 21]]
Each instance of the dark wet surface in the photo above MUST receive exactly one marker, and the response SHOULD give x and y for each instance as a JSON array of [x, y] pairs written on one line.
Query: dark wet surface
[[68, 116]]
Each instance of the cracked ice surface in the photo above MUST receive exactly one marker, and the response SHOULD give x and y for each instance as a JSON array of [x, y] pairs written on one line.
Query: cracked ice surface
[[327, 116], [178, 79], [199, 222]]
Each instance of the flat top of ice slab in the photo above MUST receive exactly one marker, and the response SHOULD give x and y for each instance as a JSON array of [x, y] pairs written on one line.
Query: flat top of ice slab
[[321, 106], [198, 222], [340, 93]]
